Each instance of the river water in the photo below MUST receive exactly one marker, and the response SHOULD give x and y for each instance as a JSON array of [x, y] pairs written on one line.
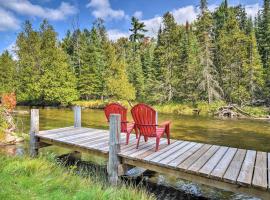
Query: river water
[[239, 133]]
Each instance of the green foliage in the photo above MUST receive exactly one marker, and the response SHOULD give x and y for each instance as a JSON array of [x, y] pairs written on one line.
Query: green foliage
[[44, 76], [44, 179], [3, 124], [7, 73], [221, 56], [117, 83], [188, 108], [257, 111]]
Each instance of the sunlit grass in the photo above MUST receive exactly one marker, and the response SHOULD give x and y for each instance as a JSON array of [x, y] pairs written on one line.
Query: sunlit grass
[[42, 178], [186, 108]]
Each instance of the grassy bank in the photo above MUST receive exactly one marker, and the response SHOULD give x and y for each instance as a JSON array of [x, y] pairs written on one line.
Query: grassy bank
[[179, 108], [42, 178]]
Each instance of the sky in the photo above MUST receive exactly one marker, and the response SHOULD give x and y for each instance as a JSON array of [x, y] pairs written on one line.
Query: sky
[[68, 14]]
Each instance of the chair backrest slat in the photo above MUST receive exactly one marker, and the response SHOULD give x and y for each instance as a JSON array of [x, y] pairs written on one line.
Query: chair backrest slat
[[116, 108], [145, 119]]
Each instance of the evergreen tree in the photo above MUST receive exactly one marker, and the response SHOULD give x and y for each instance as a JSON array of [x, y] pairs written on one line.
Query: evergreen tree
[[232, 56], [71, 44], [7, 73], [117, 83], [58, 83], [263, 38], [166, 58], [208, 82], [29, 64], [138, 29], [190, 65], [91, 81], [254, 66]]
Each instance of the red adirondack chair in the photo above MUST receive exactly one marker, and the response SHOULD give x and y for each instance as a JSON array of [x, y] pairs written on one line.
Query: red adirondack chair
[[116, 108], [145, 119]]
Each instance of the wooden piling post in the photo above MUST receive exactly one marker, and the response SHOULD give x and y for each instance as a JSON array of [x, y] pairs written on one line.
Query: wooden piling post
[[114, 148], [34, 129], [77, 116]]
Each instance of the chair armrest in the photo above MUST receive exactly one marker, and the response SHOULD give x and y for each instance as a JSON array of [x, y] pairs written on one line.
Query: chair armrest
[[166, 123]]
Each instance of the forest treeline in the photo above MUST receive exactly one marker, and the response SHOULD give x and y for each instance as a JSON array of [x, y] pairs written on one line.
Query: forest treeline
[[222, 55]]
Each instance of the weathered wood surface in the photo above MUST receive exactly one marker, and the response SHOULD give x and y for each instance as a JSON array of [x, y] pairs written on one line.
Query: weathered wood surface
[[114, 149], [34, 129], [239, 167], [77, 116]]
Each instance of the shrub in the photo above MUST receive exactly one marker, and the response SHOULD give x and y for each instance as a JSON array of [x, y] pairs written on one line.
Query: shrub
[[9, 101]]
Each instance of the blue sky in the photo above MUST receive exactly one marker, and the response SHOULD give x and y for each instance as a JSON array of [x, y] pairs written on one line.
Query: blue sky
[[117, 13]]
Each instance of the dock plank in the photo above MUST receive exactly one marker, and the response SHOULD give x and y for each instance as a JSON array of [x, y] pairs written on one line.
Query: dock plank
[[82, 135], [223, 164], [185, 155], [246, 172], [138, 152], [46, 132], [213, 161], [153, 150], [233, 170], [176, 154], [196, 166], [156, 154], [62, 134], [192, 159], [260, 171], [144, 145], [169, 152]]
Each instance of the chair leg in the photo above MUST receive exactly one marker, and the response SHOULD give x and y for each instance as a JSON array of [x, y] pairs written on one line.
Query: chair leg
[[145, 138], [168, 133], [127, 138], [138, 142], [136, 131], [157, 143]]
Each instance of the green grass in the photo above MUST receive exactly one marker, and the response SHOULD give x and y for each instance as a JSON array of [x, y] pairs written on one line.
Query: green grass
[[257, 111], [178, 108], [97, 104], [25, 178]]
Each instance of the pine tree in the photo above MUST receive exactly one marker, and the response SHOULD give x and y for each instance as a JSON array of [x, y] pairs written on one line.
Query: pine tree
[[232, 56], [166, 59], [91, 81], [7, 73], [117, 83], [71, 44], [208, 82], [29, 65], [58, 83], [254, 66], [263, 38], [138, 29], [187, 83]]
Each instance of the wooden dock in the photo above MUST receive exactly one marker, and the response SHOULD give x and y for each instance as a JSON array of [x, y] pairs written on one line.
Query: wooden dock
[[237, 170]]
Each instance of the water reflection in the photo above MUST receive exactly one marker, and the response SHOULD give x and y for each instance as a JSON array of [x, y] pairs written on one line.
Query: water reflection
[[239, 133]]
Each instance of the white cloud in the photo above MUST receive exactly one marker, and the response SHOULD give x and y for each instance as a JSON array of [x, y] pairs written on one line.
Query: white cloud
[[184, 14], [8, 21], [25, 7], [115, 34], [11, 49], [252, 10], [138, 14], [102, 9], [181, 15], [152, 25]]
